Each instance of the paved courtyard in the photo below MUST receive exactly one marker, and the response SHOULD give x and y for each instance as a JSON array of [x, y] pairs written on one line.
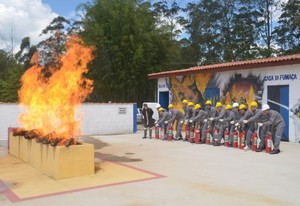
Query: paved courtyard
[[179, 173]]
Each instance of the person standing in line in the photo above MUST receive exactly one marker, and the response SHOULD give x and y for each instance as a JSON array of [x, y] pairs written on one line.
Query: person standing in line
[[211, 114], [220, 113], [188, 116], [258, 119], [246, 114], [198, 119], [164, 117], [178, 117], [148, 120], [276, 126]]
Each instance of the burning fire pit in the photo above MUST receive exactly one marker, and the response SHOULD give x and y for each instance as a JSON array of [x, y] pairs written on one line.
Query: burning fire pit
[[50, 97], [69, 160]]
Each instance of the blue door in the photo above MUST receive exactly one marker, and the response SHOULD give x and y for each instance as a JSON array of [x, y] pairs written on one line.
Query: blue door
[[164, 99], [278, 99], [212, 94]]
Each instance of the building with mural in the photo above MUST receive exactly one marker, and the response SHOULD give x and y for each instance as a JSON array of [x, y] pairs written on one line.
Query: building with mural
[[275, 81]]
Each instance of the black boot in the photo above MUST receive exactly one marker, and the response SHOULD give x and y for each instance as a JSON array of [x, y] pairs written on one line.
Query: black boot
[[259, 149], [145, 134], [150, 133], [275, 151]]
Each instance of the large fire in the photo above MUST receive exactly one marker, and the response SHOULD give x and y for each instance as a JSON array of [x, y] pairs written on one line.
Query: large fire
[[50, 103]]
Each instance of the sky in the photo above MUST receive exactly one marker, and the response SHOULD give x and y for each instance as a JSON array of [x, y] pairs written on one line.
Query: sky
[[22, 18]]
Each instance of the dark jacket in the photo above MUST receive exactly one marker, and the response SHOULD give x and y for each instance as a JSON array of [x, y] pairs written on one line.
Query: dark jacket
[[148, 120]]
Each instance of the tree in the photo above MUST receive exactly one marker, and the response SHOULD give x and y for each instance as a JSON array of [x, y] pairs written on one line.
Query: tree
[[267, 10], [26, 52], [245, 32], [128, 47], [204, 27], [288, 29], [10, 74], [53, 47]]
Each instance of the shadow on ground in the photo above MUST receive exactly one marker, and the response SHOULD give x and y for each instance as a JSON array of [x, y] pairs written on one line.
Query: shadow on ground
[[98, 144]]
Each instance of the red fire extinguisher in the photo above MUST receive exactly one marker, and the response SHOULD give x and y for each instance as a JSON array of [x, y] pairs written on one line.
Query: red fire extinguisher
[[235, 139], [162, 133], [170, 132], [242, 140], [192, 135], [226, 137], [156, 132], [216, 133], [268, 143], [254, 141], [208, 136], [187, 132], [197, 136]]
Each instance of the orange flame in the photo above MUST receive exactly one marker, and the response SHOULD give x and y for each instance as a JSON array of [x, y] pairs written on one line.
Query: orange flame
[[50, 104]]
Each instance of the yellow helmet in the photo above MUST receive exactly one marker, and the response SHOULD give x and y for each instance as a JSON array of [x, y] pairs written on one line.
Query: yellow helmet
[[228, 106], [170, 106], [190, 104], [161, 109], [185, 101], [219, 104], [208, 102], [253, 104], [197, 106], [242, 106]]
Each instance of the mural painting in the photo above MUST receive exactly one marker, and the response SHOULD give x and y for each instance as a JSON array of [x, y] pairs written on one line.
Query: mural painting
[[200, 87]]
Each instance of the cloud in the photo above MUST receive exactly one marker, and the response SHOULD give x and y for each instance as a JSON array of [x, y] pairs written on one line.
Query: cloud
[[22, 18]]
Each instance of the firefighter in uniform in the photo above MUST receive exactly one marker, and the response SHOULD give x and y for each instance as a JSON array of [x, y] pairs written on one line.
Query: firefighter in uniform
[[187, 120], [220, 113], [233, 118], [245, 115], [259, 119], [228, 117], [211, 114], [148, 120], [163, 120], [275, 125], [178, 116], [198, 119]]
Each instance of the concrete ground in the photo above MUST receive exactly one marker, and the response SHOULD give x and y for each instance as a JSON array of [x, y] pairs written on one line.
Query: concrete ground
[[194, 175]]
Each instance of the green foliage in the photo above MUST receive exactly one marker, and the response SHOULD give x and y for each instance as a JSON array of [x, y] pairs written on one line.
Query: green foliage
[[128, 47], [26, 52], [10, 74], [288, 29]]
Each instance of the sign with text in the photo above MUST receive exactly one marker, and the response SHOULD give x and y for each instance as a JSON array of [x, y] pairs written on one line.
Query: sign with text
[[280, 77]]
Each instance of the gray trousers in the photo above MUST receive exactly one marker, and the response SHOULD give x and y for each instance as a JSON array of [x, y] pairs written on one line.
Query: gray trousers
[[221, 132], [178, 128], [262, 135], [204, 128], [277, 134]]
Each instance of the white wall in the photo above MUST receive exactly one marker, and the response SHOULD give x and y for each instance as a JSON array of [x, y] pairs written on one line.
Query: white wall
[[97, 118]]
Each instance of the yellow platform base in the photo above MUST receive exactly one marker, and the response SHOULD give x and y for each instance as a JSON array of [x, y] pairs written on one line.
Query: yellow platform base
[[57, 162]]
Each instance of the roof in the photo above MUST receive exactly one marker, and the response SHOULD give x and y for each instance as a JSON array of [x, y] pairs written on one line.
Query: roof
[[231, 66]]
